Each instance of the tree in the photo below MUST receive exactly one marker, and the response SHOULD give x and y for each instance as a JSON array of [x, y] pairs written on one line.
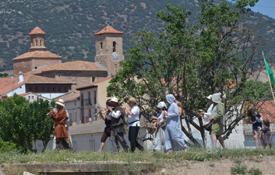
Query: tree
[[192, 61], [42, 124], [22, 122]]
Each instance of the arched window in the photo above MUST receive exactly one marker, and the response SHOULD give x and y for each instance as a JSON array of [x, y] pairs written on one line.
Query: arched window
[[101, 45], [36, 42], [114, 46]]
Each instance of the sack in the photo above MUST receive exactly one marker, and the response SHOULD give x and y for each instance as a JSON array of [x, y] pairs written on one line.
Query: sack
[[208, 125]]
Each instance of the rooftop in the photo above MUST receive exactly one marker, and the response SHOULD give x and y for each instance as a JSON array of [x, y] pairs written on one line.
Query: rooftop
[[37, 31], [37, 54], [36, 79], [74, 66], [108, 30], [70, 96], [8, 84], [267, 110]]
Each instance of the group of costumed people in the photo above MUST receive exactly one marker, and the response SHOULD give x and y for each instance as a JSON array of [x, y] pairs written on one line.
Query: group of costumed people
[[115, 119], [168, 134]]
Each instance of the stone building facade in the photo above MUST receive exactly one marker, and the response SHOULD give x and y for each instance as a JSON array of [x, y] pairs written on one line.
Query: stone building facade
[[37, 56], [88, 103], [109, 48]]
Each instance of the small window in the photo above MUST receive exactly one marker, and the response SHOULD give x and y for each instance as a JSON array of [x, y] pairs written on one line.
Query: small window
[[95, 97], [114, 46], [40, 42], [89, 98], [35, 67], [101, 45]]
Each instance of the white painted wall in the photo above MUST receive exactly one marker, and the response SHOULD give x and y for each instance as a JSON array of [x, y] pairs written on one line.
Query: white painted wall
[[19, 90], [51, 95]]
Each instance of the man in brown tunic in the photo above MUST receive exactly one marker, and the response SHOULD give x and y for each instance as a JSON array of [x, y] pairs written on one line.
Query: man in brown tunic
[[60, 117]]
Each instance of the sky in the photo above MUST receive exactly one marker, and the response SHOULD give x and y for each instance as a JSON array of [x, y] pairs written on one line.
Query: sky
[[266, 7]]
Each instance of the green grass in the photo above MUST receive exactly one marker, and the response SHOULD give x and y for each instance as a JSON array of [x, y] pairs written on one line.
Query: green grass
[[154, 157]]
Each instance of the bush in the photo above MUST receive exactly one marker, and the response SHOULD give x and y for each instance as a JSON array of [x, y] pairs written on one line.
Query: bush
[[7, 147], [238, 170]]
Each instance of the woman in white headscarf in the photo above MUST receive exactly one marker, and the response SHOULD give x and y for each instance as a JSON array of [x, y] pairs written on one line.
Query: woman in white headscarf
[[174, 136]]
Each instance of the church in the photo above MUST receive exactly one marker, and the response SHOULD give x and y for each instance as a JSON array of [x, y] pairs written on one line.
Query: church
[[42, 72]]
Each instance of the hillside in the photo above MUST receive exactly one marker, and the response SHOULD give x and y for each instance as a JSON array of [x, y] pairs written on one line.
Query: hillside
[[71, 24]]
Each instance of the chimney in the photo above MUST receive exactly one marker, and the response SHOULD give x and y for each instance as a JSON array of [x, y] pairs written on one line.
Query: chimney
[[20, 77]]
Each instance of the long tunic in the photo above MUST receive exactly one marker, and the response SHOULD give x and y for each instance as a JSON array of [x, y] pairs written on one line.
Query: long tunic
[[60, 118], [174, 136]]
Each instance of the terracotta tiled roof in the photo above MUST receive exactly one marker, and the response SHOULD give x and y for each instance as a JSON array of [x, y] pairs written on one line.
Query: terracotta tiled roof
[[267, 110], [37, 54], [108, 30], [70, 96], [36, 79], [8, 84], [37, 31], [74, 66], [102, 79]]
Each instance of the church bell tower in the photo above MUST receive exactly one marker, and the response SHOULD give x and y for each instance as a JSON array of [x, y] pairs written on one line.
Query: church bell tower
[[109, 48]]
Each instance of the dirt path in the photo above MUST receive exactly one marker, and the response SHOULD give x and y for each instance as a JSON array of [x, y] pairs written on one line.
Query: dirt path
[[223, 167]]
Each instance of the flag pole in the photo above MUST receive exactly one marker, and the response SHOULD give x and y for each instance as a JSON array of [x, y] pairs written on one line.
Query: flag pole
[[272, 92]]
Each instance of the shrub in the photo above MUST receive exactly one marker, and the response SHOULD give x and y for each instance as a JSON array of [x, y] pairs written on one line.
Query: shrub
[[7, 146]]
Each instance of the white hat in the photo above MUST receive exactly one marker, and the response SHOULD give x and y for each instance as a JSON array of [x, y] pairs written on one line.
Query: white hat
[[216, 98], [60, 102], [161, 105], [114, 100], [209, 97]]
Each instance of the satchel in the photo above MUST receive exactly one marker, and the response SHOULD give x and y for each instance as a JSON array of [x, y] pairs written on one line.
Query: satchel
[[208, 125]]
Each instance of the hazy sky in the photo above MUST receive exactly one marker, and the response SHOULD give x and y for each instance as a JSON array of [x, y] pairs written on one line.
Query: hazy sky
[[266, 7]]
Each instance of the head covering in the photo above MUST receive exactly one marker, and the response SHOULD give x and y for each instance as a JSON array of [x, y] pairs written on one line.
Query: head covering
[[216, 98], [170, 98], [132, 100], [114, 100], [161, 105], [209, 97], [60, 102]]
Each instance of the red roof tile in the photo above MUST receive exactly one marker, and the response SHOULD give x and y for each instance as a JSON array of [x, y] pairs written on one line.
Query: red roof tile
[[108, 30], [35, 79], [73, 66], [37, 54], [70, 96], [267, 110], [8, 84], [37, 31]]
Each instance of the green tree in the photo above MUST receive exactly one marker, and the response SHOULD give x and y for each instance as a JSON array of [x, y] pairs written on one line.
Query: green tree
[[22, 122], [42, 124], [192, 61]]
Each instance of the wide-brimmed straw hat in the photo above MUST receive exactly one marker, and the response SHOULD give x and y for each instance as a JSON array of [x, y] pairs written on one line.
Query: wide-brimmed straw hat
[[113, 101], [60, 102]]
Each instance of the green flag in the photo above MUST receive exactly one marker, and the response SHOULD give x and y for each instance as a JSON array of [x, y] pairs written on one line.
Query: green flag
[[268, 70]]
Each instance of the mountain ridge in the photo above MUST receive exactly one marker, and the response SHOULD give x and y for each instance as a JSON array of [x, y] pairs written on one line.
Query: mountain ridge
[[70, 25]]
